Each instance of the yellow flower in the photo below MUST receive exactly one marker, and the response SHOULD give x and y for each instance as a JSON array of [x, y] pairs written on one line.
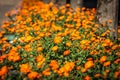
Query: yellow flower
[[89, 64], [68, 44], [28, 38], [57, 40], [55, 48]]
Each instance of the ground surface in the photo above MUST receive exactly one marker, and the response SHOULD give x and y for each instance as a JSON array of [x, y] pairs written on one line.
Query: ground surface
[[5, 6]]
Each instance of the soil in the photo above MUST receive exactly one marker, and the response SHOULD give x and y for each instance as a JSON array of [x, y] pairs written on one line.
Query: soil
[[5, 6]]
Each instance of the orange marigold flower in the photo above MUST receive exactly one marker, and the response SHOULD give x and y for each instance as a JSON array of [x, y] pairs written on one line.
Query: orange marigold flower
[[3, 57], [83, 70], [103, 59], [25, 68], [3, 70], [89, 64], [107, 70], [83, 8], [117, 61], [67, 52], [14, 56], [84, 42], [110, 21], [106, 63], [39, 49], [66, 74], [39, 58], [67, 5], [115, 47], [32, 75], [117, 74], [78, 68], [118, 31], [55, 48], [89, 59], [54, 65], [67, 67], [97, 75], [68, 44], [28, 38], [46, 72], [104, 24], [40, 61], [57, 40], [87, 78]]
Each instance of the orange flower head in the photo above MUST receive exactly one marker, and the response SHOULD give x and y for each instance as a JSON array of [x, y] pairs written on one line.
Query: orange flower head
[[89, 64], [55, 48], [46, 72], [110, 21], [97, 75], [3, 70], [25, 68], [32, 75], [83, 70], [68, 44], [66, 53], [57, 40], [117, 74], [54, 65], [87, 78], [78, 68], [39, 49], [66, 74], [67, 5], [106, 63], [103, 59]]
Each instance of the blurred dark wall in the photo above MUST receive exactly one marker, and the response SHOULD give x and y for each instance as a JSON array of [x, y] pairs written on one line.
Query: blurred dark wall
[[90, 3]]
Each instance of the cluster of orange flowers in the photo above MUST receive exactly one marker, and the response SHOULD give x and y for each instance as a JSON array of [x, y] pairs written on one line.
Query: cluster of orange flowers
[[40, 61], [68, 67], [13, 55], [57, 42]]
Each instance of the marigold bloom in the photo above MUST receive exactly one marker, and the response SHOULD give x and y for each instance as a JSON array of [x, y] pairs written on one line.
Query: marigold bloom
[[83, 70], [68, 44], [110, 21], [67, 5], [57, 40], [117, 74], [3, 70], [39, 49], [106, 63], [32, 75], [25, 68], [55, 48], [117, 61], [54, 65], [3, 57], [87, 78], [40, 61], [78, 68], [97, 75], [67, 52], [46, 72], [89, 64], [66, 74], [28, 38], [14, 56], [103, 59]]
